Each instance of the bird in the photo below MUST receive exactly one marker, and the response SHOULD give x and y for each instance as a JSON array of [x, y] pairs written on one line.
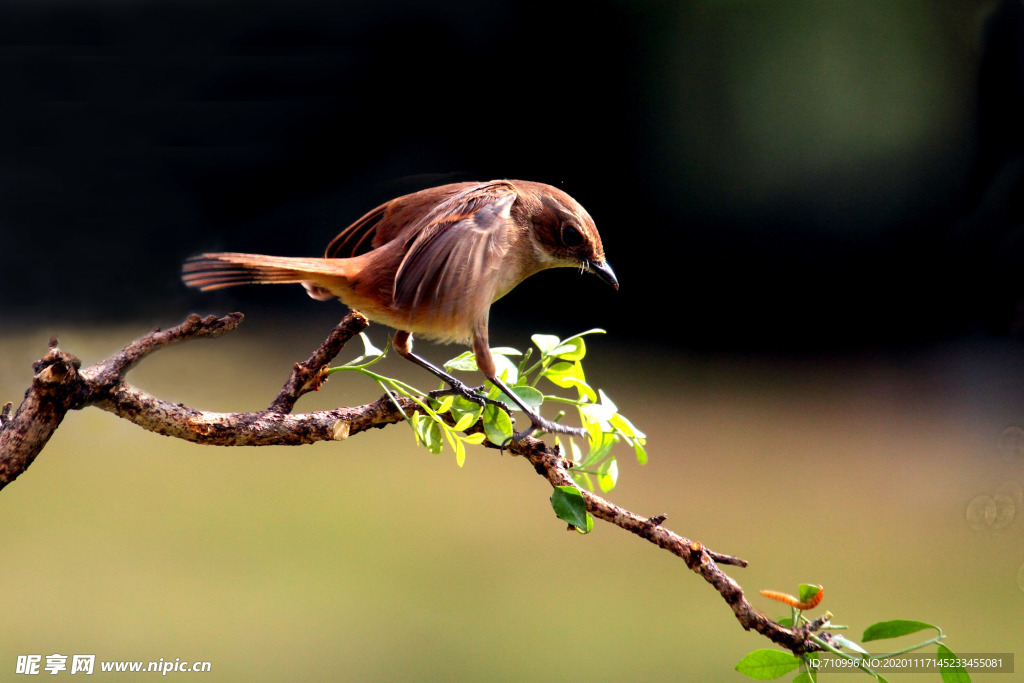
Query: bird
[[431, 263]]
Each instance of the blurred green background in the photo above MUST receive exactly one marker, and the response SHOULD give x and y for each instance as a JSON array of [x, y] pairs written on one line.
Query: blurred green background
[[815, 211]]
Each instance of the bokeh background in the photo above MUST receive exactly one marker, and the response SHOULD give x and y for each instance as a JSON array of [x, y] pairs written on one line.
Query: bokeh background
[[815, 211]]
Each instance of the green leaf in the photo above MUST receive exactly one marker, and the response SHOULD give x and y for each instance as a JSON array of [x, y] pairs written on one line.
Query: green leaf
[[593, 330], [574, 449], [623, 425], [461, 407], [571, 349], [493, 392], [432, 435], [600, 447], [449, 435], [570, 506], [420, 425], [445, 404], [951, 674], [608, 474], [465, 361], [464, 422], [414, 422], [565, 374], [497, 425], [474, 439], [641, 452], [585, 392], [894, 629], [765, 664], [806, 591], [804, 677], [369, 350], [607, 402], [460, 453], [606, 415], [545, 342], [597, 413], [528, 395], [582, 479], [523, 362], [847, 643], [507, 371]]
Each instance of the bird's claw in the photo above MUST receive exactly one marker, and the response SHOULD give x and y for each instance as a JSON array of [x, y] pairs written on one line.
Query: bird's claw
[[538, 423], [458, 388]]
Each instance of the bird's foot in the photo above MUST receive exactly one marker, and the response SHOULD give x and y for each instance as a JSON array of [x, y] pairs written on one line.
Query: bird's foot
[[538, 423], [457, 388]]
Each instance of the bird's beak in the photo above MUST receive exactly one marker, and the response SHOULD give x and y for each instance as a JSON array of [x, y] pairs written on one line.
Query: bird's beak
[[605, 272]]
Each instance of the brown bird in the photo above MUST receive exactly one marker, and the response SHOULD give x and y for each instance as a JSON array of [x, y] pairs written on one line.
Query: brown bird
[[432, 262]]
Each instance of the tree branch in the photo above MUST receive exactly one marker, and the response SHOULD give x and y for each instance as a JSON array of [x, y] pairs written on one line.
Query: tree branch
[[46, 402], [60, 385], [311, 375], [699, 559]]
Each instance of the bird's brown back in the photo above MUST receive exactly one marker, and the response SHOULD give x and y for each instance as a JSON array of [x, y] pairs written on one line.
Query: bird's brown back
[[431, 262], [389, 220]]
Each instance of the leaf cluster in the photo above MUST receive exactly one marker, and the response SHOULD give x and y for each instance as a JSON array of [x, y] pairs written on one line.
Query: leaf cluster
[[549, 372], [766, 664], [559, 363]]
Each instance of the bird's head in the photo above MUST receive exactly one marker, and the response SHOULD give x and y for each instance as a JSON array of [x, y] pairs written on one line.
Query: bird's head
[[564, 234]]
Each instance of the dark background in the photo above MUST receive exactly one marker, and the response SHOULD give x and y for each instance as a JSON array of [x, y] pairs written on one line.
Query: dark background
[[767, 176]]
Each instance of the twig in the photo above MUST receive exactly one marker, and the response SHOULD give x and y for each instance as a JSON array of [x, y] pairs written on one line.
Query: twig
[[112, 370], [552, 466], [311, 375]]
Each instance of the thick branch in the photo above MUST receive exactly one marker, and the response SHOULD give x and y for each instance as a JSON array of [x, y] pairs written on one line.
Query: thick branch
[[265, 428], [46, 402], [60, 385]]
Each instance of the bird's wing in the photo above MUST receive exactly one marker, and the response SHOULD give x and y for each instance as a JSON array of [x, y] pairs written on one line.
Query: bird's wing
[[389, 221], [357, 238], [450, 267]]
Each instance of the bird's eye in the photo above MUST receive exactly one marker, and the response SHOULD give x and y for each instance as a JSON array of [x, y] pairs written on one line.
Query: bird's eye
[[571, 235]]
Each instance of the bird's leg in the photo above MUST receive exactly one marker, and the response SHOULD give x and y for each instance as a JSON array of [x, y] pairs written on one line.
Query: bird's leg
[[485, 361], [403, 345], [536, 421], [459, 388]]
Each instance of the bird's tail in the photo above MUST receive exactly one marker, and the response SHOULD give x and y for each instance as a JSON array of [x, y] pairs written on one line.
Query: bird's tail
[[227, 269]]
